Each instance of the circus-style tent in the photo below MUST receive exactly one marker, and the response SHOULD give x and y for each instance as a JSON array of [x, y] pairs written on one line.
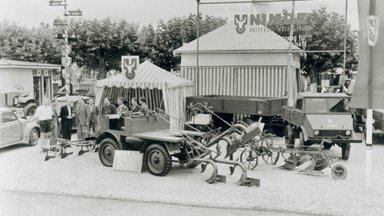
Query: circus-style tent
[[161, 89]]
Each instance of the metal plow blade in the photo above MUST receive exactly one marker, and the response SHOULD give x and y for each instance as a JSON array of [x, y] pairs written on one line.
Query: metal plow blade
[[244, 180], [290, 163], [215, 177]]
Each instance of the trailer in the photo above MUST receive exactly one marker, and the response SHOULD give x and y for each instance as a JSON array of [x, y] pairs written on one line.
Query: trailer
[[252, 108]]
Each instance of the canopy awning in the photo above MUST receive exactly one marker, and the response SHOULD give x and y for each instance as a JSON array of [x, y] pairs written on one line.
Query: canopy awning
[[148, 75]]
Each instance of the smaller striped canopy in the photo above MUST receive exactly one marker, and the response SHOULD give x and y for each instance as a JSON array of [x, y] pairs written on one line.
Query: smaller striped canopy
[[147, 75]]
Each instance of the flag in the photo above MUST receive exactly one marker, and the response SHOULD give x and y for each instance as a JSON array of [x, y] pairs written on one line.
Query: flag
[[369, 88]]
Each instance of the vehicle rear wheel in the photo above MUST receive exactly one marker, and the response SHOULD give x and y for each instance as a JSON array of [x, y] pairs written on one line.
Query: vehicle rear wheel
[[107, 151], [34, 137], [157, 159], [345, 150], [289, 138]]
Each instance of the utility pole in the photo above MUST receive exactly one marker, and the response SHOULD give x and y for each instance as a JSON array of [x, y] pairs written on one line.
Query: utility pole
[[197, 48], [66, 60], [291, 75]]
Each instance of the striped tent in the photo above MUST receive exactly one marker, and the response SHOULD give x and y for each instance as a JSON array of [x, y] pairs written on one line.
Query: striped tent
[[161, 89]]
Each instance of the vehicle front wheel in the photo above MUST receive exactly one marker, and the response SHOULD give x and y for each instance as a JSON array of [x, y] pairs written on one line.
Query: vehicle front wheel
[[289, 137], [157, 159], [107, 151], [345, 150], [34, 137]]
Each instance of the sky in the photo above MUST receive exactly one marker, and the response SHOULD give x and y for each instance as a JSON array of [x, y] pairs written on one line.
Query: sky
[[33, 12]]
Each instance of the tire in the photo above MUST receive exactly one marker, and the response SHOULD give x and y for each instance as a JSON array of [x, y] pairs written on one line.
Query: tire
[[339, 172], [34, 137], [302, 140], [157, 159], [345, 150], [327, 146], [288, 134], [30, 109], [107, 151]]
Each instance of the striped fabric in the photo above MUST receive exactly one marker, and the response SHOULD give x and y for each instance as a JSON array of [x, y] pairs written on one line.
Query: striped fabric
[[154, 96], [242, 81]]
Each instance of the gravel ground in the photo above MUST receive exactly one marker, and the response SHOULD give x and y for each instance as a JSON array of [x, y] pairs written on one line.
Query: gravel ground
[[22, 168]]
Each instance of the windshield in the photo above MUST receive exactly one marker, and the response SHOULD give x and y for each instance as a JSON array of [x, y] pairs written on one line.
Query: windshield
[[324, 105]]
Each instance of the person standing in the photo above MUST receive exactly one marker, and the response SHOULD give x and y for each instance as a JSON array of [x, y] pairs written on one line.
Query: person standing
[[44, 115], [122, 110], [83, 115], [108, 108], [66, 116], [55, 123], [94, 116]]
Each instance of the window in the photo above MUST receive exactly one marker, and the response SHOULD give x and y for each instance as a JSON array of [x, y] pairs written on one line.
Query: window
[[8, 117]]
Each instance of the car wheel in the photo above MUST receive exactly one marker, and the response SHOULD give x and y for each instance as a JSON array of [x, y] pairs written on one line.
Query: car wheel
[[34, 137], [345, 150], [107, 151], [158, 161]]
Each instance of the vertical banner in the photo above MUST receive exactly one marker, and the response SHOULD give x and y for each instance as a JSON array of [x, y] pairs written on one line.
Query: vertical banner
[[129, 65], [371, 32]]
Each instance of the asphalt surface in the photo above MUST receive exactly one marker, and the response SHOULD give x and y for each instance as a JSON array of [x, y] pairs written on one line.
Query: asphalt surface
[[81, 184]]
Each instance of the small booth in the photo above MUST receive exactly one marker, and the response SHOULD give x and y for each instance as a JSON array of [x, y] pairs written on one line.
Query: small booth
[[159, 87], [251, 62], [31, 79]]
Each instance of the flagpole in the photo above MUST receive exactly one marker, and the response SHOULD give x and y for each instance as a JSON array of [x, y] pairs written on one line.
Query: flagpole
[[369, 120]]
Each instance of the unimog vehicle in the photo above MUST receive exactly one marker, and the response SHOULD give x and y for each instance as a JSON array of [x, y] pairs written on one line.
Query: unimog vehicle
[[319, 116], [161, 145]]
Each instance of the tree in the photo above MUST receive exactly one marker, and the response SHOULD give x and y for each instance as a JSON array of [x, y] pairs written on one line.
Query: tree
[[101, 44], [34, 45], [324, 31], [171, 35]]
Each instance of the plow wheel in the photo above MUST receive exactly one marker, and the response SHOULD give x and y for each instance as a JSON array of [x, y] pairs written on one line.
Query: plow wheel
[[249, 158], [270, 157], [339, 172]]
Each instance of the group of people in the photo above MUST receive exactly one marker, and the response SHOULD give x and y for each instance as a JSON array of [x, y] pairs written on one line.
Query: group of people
[[85, 116], [137, 108]]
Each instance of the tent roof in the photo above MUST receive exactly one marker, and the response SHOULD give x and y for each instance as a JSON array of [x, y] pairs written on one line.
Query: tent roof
[[256, 38], [148, 75], [6, 63]]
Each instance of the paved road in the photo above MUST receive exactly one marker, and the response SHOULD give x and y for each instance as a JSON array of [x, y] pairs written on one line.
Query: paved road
[[23, 169], [14, 203]]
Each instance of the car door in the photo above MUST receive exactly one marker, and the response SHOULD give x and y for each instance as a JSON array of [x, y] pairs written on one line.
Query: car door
[[11, 127]]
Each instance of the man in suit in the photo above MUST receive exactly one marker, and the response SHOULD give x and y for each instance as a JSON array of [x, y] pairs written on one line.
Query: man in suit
[[122, 109], [94, 116], [83, 115], [108, 108], [66, 115]]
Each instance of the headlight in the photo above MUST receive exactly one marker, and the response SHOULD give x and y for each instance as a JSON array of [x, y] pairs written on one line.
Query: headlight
[[317, 133], [348, 132]]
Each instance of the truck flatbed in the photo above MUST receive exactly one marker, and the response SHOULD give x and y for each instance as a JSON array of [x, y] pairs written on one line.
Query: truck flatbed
[[261, 106]]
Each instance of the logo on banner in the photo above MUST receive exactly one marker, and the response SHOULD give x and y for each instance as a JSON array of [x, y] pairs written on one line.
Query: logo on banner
[[240, 22], [129, 66], [373, 23]]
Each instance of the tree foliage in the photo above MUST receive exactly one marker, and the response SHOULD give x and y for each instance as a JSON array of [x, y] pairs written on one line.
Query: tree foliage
[[327, 33], [35, 44], [101, 44]]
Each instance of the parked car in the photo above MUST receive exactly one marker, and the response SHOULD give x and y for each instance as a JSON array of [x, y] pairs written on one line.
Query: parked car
[[15, 130]]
